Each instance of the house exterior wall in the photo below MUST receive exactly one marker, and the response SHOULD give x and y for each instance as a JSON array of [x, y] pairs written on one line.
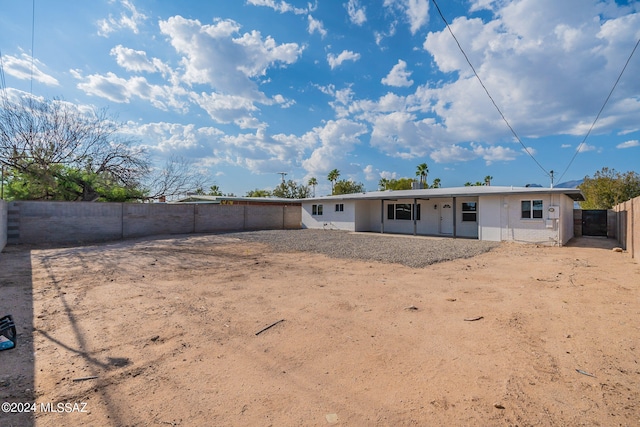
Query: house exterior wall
[[367, 215], [330, 218], [490, 218], [467, 228], [429, 223], [566, 219], [498, 217], [553, 228]]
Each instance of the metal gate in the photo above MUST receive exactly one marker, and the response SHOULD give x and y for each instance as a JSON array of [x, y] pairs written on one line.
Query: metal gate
[[594, 223]]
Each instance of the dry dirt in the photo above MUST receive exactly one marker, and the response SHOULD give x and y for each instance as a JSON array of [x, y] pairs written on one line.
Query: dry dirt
[[169, 329]]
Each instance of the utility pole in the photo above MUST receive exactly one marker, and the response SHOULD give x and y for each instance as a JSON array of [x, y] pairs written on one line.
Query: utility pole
[[283, 175]]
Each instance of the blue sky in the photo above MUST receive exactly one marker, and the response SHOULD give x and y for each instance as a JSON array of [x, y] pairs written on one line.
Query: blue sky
[[249, 88]]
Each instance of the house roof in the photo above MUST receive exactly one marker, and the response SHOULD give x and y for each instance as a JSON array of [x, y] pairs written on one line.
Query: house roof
[[470, 191], [219, 199]]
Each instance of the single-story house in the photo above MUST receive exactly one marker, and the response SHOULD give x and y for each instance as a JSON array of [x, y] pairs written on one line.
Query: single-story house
[[521, 214]]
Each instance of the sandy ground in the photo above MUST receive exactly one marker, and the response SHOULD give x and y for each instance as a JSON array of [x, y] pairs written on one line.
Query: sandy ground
[[169, 329]]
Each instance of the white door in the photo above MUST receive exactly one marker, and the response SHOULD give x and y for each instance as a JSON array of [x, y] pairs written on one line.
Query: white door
[[446, 218]]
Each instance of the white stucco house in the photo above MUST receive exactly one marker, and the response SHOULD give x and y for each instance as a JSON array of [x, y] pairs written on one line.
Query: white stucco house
[[521, 214]]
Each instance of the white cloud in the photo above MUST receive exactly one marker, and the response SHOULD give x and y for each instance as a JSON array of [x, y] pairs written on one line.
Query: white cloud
[[316, 26], [416, 12], [346, 55], [452, 153], [212, 56], [282, 6], [122, 90], [137, 61], [535, 57], [370, 173], [398, 76], [494, 153], [565, 146], [357, 13], [336, 139], [26, 68], [388, 175], [629, 144], [457, 153], [130, 19], [228, 108], [586, 147], [381, 35], [262, 152]]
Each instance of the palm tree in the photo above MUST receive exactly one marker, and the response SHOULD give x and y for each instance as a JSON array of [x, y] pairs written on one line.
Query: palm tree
[[333, 177], [487, 180], [312, 183], [436, 183], [422, 171], [383, 183]]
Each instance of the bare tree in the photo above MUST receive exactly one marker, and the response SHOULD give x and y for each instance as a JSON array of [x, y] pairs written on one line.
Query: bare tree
[[177, 177], [49, 142]]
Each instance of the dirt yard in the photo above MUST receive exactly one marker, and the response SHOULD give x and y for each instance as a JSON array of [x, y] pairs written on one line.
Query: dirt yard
[[166, 332]]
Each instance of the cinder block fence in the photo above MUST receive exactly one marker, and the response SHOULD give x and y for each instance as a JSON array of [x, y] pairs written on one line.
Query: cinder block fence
[[30, 222], [629, 226]]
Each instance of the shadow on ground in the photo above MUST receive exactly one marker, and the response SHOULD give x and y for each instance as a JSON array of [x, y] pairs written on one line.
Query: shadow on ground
[[593, 242], [17, 365]]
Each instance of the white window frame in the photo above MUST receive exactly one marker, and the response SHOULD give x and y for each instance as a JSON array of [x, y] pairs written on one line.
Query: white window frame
[[316, 210], [339, 207], [532, 211], [392, 209], [474, 211]]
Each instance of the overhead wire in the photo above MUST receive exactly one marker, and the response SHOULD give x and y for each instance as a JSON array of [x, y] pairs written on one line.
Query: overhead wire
[[3, 83], [606, 101], [526, 149], [33, 31]]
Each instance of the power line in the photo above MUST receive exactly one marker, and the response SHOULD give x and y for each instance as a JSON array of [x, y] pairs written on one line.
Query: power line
[[33, 26], [601, 109], [3, 83], [526, 149]]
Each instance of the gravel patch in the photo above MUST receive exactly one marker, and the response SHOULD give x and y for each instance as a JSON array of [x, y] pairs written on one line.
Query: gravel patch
[[406, 250]]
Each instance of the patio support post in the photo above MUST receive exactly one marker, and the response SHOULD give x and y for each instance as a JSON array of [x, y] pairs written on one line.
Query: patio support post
[[382, 216], [454, 218], [415, 215]]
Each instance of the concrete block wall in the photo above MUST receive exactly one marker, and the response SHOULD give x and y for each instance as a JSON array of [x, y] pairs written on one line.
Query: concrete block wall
[[628, 226], [30, 222], [142, 219], [4, 210], [64, 222], [214, 218]]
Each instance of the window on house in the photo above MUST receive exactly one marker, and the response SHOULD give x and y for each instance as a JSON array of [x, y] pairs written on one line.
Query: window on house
[[469, 211], [339, 207], [316, 209], [531, 209], [402, 211]]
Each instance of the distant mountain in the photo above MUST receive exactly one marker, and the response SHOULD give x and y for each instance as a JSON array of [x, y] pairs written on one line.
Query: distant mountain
[[570, 184]]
